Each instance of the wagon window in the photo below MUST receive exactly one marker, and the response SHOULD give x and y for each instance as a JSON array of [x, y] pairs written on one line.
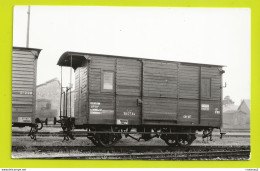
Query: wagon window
[[107, 80], [206, 87]]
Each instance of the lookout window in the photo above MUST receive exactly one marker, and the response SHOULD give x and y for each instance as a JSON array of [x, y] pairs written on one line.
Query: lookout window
[[107, 80], [206, 87]]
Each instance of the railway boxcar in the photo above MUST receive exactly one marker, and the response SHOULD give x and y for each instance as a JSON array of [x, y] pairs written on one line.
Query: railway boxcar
[[117, 95], [24, 69]]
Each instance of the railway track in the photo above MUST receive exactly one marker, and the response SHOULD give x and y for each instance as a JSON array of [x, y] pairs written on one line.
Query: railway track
[[166, 156], [83, 134], [127, 149], [191, 153]]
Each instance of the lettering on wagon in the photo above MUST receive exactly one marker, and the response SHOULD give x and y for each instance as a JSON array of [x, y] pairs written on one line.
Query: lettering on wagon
[[217, 111], [129, 112], [122, 122], [26, 92], [25, 119], [94, 108], [186, 116], [205, 107]]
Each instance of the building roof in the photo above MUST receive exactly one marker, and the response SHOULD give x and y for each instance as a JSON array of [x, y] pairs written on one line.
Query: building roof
[[245, 102], [47, 82], [230, 108]]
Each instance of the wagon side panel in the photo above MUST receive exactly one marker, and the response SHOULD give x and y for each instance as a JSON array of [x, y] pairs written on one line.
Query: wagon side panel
[[81, 94], [188, 106], [160, 83], [128, 91], [77, 97], [211, 96], [101, 90], [24, 65]]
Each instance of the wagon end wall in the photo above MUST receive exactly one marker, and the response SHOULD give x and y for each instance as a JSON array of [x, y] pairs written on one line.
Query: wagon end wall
[[24, 71]]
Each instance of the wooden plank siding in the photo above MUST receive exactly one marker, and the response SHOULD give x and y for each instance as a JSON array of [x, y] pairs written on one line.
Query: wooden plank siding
[[102, 109], [213, 74], [83, 105], [128, 91], [81, 94], [102, 103], [127, 110], [77, 97], [128, 77], [159, 110], [160, 93], [212, 115], [147, 92], [24, 70], [189, 82], [188, 112]]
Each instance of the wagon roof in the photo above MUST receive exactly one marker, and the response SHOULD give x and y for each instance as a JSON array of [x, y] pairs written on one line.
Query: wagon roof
[[25, 48], [15, 47], [79, 56]]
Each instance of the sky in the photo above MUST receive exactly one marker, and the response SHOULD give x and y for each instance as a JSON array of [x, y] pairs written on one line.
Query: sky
[[220, 36]]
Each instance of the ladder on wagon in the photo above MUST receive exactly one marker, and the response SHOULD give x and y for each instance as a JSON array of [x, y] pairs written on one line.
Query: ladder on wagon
[[66, 120]]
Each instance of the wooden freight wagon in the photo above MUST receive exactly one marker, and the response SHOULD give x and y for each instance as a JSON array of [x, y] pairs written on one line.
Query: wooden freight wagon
[[114, 92], [24, 69]]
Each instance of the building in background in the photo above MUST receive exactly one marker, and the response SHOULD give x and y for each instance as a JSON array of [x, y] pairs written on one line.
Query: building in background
[[237, 117], [49, 91], [48, 100], [44, 111]]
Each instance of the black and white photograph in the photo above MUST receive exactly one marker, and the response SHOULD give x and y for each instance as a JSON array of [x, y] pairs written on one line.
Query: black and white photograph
[[131, 83]]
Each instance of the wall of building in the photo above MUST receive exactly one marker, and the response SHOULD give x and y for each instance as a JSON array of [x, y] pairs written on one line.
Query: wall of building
[[237, 119], [49, 90]]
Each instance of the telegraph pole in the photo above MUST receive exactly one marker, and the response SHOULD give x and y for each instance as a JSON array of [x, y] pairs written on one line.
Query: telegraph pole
[[28, 26]]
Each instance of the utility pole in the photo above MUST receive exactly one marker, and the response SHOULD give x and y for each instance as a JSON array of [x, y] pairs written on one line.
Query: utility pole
[[28, 26]]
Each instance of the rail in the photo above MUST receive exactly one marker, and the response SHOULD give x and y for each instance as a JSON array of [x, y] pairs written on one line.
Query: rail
[[191, 153]]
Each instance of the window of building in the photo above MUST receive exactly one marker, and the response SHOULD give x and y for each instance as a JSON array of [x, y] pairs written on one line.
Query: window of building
[[107, 81], [206, 87]]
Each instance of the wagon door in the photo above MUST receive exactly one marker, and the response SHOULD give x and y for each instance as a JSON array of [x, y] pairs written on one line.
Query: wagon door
[[210, 96], [128, 91], [189, 88], [160, 85]]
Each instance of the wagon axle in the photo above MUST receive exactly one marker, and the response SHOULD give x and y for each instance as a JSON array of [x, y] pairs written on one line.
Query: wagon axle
[[35, 128], [67, 125]]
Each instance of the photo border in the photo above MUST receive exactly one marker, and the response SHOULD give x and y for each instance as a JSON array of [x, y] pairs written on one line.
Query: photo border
[[6, 14]]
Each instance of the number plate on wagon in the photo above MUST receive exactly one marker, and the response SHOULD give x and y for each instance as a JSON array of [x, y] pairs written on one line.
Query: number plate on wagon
[[25, 119]]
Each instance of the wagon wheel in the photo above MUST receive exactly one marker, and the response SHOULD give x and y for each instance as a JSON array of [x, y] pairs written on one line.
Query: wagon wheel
[[170, 139], [107, 139], [95, 141], [173, 141], [186, 140]]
